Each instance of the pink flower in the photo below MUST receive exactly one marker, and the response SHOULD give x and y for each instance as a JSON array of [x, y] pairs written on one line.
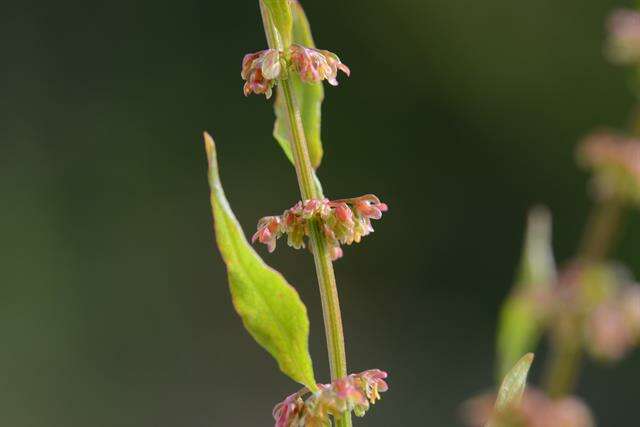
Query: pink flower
[[315, 65], [369, 206], [260, 71], [287, 413], [268, 232]]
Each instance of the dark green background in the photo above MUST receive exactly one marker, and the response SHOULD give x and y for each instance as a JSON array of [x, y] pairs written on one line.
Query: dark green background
[[114, 308]]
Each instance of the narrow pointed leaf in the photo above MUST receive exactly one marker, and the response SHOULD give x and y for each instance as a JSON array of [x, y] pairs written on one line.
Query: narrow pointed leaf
[[514, 383], [308, 95], [510, 392], [282, 20], [270, 308], [521, 319]]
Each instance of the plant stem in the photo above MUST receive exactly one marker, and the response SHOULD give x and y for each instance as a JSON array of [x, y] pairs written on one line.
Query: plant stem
[[310, 189], [600, 233], [562, 370], [319, 248]]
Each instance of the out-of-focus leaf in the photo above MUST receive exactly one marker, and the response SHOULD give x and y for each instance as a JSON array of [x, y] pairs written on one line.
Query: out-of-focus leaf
[[309, 97], [270, 308], [281, 18], [521, 317], [511, 390]]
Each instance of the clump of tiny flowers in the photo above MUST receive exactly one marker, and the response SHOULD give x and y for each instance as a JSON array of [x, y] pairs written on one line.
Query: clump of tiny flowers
[[536, 410], [615, 159], [355, 393], [605, 299], [262, 69], [623, 44], [342, 221]]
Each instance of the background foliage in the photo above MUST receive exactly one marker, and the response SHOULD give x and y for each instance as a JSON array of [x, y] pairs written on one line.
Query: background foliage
[[114, 308]]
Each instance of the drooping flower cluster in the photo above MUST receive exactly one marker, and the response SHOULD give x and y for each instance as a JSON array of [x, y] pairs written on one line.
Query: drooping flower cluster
[[615, 160], [315, 65], [341, 221], [261, 70], [623, 43], [354, 394], [536, 410]]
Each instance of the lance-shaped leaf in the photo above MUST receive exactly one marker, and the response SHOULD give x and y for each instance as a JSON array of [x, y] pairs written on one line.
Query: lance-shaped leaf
[[270, 308], [280, 17], [309, 97], [522, 314], [511, 391]]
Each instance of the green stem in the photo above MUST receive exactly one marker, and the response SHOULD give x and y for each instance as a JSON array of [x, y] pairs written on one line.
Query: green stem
[[562, 370], [601, 231], [310, 189], [319, 248]]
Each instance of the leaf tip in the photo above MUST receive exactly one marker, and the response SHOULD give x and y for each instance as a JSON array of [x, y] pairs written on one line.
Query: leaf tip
[[209, 146]]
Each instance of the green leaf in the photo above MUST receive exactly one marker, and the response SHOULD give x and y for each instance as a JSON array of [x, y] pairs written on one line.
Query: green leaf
[[270, 308], [309, 97], [521, 320], [281, 18], [514, 383], [511, 391]]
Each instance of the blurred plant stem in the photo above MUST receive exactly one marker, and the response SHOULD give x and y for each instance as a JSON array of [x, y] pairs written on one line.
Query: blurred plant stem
[[318, 245], [562, 369]]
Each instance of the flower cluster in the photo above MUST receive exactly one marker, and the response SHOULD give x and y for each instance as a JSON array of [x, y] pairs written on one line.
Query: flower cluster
[[615, 160], [613, 327], [623, 44], [341, 221], [536, 410], [353, 393], [261, 70], [315, 65], [606, 301]]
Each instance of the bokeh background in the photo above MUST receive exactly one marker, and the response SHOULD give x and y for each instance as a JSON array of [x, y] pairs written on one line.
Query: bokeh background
[[114, 307]]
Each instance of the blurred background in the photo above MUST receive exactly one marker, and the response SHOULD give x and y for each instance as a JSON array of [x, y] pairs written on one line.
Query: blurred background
[[114, 306]]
